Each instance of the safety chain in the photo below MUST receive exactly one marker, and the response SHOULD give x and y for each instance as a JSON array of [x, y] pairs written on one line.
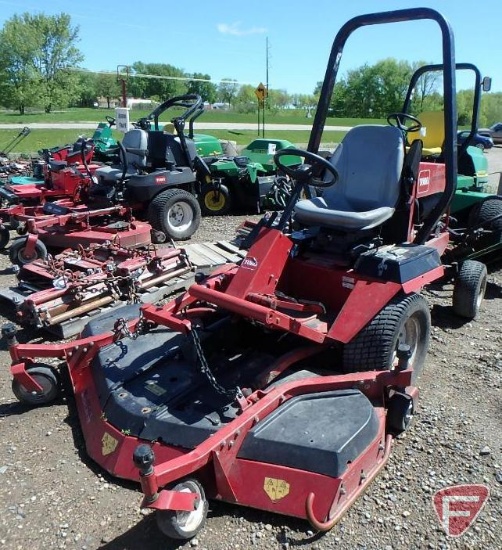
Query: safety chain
[[121, 329], [204, 369]]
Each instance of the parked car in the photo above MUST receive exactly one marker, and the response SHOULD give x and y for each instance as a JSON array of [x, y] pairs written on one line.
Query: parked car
[[477, 140], [494, 131]]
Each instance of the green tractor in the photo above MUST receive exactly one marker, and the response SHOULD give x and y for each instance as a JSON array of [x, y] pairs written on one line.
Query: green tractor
[[475, 215], [248, 181]]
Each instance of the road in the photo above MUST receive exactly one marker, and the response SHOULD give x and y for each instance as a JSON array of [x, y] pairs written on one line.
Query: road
[[198, 125]]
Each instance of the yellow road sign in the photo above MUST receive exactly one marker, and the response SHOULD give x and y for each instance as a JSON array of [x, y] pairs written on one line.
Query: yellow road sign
[[261, 92]]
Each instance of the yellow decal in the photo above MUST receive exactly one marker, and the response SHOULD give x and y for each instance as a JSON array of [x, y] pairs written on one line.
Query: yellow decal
[[275, 488], [109, 444]]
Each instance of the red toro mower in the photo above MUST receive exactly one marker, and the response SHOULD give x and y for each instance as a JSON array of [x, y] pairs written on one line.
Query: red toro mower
[[280, 382]]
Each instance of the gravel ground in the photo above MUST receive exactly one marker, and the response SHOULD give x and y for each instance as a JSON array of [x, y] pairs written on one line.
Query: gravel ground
[[53, 496]]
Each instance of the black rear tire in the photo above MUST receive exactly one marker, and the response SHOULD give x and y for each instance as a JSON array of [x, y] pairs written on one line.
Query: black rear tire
[[175, 212], [404, 320], [488, 215], [469, 289]]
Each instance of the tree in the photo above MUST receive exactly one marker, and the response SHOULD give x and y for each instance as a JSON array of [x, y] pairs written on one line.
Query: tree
[[278, 100], [171, 82], [207, 90], [87, 93], [491, 109], [227, 90], [19, 80], [372, 91], [107, 87], [37, 55], [245, 101]]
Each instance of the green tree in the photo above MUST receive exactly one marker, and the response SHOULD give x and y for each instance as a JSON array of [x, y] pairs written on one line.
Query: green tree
[[108, 87], [491, 109], [87, 93], [278, 100], [37, 55], [19, 80], [372, 91], [227, 90], [171, 81], [245, 100], [207, 90]]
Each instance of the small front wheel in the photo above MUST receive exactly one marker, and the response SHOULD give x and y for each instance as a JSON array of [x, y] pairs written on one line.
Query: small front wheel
[[215, 200], [183, 525], [400, 411], [47, 377], [19, 256], [4, 236]]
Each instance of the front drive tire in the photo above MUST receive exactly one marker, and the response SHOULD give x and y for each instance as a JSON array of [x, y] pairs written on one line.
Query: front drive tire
[[469, 289], [404, 320], [175, 212]]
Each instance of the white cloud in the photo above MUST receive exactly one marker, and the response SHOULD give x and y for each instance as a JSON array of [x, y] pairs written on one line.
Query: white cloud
[[235, 29]]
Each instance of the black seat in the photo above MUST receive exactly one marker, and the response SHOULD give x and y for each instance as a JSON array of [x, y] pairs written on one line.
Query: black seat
[[369, 161]]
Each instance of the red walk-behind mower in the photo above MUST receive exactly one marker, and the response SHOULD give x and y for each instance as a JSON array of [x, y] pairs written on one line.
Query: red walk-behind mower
[[278, 383]]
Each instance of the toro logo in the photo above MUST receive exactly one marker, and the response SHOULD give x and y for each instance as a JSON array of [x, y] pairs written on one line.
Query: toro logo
[[458, 506], [249, 262], [159, 180], [424, 180]]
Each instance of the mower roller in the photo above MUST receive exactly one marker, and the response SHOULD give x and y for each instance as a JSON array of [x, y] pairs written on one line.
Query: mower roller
[[278, 382], [63, 292]]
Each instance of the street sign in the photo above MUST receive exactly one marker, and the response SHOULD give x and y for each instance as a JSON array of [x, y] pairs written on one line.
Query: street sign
[[261, 92]]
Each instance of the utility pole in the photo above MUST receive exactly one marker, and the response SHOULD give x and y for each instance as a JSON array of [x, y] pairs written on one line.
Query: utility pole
[[267, 48]]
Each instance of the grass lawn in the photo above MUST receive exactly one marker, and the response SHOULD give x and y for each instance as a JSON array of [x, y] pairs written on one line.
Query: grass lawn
[[98, 115], [45, 138]]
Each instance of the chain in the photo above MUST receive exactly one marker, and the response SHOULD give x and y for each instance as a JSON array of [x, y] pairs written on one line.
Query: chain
[[204, 369], [121, 329]]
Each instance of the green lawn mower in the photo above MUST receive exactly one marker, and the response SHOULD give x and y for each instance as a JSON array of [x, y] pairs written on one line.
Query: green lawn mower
[[475, 215], [248, 181]]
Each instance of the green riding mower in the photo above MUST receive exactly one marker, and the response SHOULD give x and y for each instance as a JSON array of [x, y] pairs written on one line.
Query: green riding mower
[[248, 181], [475, 215]]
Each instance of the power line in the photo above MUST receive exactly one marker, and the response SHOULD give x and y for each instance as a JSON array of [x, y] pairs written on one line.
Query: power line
[[162, 77]]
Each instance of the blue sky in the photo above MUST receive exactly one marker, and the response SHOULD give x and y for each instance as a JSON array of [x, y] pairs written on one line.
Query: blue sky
[[227, 39]]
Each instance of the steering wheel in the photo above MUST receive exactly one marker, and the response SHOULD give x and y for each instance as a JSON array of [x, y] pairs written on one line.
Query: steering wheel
[[397, 120], [111, 121], [307, 172]]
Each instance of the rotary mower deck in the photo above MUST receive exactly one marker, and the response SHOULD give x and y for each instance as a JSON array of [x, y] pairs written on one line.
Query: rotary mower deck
[[277, 383]]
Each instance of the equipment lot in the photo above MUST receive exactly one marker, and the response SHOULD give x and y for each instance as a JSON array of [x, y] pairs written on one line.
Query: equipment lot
[[53, 496]]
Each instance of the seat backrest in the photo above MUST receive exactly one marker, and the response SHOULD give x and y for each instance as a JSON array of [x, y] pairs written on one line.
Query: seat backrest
[[369, 161], [137, 140], [433, 132]]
